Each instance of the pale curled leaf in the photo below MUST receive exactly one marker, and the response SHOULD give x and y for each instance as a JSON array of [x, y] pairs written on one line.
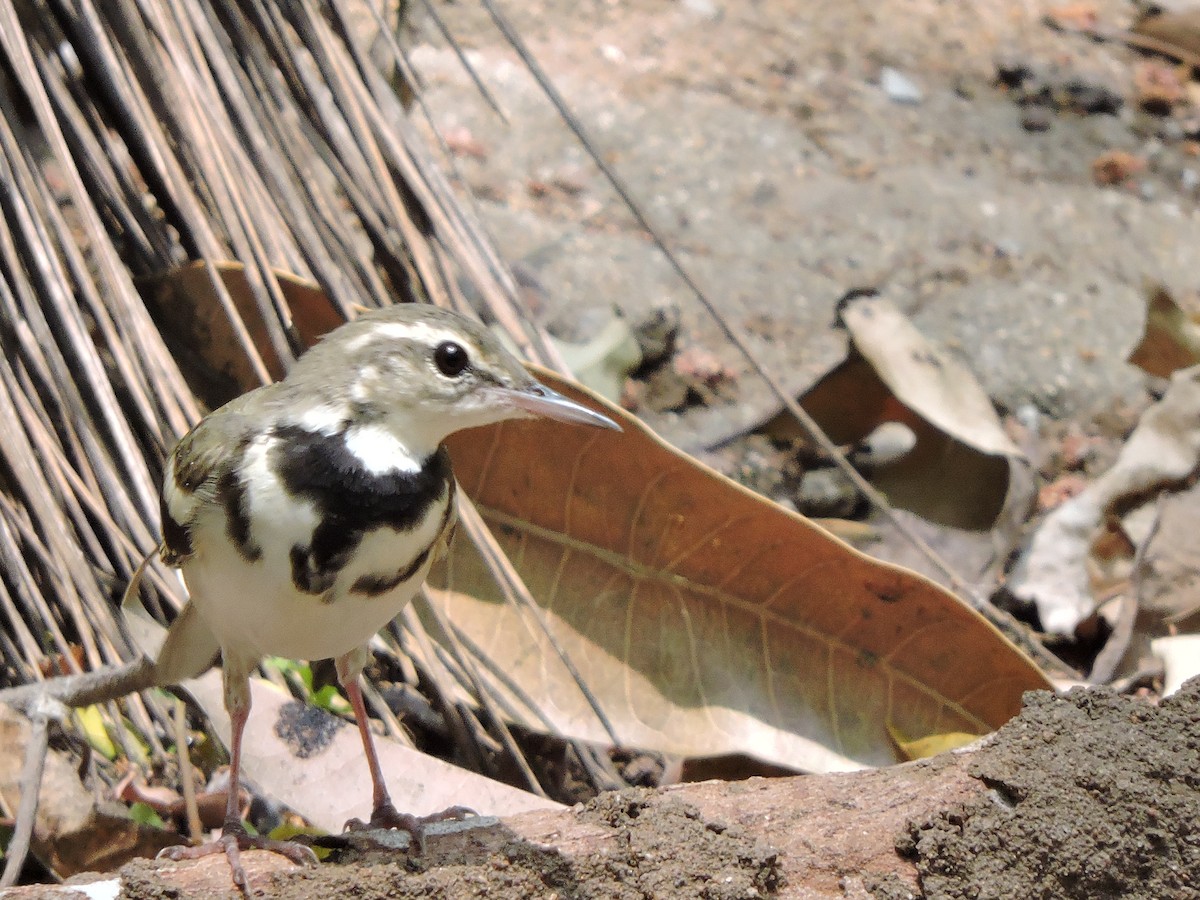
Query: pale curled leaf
[[963, 468], [706, 619], [1164, 448], [924, 377]]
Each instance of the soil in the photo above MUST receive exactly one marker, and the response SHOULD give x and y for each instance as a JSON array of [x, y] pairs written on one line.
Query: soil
[[1085, 795], [1092, 795]]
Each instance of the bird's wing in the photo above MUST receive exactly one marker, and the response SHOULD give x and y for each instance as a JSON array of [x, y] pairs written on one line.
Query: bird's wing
[[195, 469]]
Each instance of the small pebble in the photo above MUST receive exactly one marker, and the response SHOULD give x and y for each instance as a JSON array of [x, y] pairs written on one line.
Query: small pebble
[[1013, 73], [827, 493], [706, 9], [899, 87], [1037, 118]]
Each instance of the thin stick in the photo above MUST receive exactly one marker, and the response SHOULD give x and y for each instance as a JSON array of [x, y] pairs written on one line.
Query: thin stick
[[732, 333], [31, 783], [179, 719], [516, 593], [485, 700]]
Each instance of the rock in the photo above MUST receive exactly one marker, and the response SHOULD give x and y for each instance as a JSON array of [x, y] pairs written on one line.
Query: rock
[[706, 9], [899, 87], [828, 494], [1037, 119]]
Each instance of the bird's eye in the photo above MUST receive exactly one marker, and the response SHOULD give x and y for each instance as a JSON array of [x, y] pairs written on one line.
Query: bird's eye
[[450, 358]]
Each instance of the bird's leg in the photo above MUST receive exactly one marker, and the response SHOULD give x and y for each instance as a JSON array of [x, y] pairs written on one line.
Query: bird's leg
[[234, 838], [383, 813]]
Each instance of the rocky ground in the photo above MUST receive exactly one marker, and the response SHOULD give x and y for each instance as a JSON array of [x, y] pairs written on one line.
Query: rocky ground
[[793, 151]]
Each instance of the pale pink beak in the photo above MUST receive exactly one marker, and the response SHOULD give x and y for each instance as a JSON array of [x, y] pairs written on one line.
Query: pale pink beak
[[539, 400]]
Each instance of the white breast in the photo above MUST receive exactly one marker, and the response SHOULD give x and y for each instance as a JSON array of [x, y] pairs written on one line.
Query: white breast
[[253, 607]]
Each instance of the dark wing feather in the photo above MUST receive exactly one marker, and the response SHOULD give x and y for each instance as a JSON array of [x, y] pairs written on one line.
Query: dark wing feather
[[201, 467]]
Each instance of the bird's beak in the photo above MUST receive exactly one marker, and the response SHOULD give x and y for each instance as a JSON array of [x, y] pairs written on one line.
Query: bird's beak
[[539, 400]]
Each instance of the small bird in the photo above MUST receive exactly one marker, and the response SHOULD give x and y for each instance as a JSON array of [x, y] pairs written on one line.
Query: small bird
[[306, 514]]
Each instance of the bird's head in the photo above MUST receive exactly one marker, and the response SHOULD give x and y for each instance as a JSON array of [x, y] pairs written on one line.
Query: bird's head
[[428, 373]]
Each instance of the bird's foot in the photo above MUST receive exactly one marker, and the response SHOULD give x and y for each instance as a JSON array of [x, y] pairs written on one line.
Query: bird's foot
[[232, 841], [387, 816]]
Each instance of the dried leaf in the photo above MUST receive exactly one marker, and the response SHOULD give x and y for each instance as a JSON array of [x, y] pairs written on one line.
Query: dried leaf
[[1114, 167], [924, 377], [1175, 29], [73, 832], [201, 336], [1169, 565], [1171, 339], [1053, 572], [706, 619], [932, 745], [960, 471]]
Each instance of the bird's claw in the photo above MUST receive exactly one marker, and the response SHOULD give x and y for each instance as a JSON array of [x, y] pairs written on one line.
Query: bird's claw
[[232, 841], [387, 816]]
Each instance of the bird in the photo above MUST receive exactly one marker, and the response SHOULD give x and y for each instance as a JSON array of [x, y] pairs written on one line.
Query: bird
[[305, 514]]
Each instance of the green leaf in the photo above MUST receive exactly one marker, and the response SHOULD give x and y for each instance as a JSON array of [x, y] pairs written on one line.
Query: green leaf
[[144, 814], [328, 698]]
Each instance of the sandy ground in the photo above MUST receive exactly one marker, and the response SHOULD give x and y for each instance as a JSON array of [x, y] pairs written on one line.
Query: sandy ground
[[764, 144]]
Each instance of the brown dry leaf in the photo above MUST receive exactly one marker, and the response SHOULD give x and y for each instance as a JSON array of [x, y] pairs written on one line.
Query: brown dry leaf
[[73, 832], [1114, 167], [202, 339], [1171, 339], [706, 619], [1175, 29]]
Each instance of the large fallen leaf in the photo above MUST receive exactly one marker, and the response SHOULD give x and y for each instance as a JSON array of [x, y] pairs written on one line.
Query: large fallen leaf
[[704, 618]]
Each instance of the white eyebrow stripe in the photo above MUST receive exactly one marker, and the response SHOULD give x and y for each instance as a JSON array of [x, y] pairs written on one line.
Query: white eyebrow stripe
[[413, 331]]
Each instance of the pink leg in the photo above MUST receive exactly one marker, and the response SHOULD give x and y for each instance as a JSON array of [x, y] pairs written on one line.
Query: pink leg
[[233, 837], [383, 813]]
